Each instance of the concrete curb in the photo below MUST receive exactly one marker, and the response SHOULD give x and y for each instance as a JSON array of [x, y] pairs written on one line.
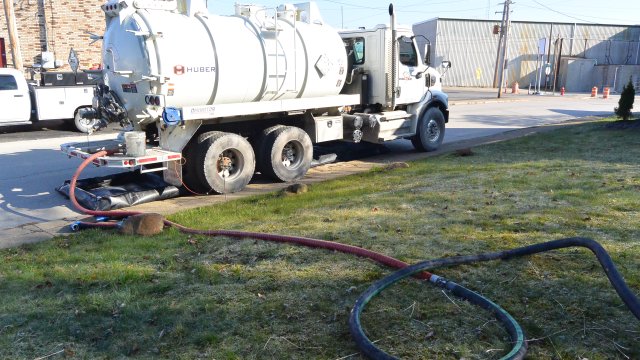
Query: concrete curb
[[483, 101]]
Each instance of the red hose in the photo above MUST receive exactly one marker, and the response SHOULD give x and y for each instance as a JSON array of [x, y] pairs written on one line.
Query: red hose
[[314, 243], [72, 192]]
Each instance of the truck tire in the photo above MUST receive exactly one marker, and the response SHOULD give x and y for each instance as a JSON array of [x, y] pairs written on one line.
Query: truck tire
[[81, 124], [430, 131], [190, 167], [190, 178], [262, 149], [224, 162], [286, 154]]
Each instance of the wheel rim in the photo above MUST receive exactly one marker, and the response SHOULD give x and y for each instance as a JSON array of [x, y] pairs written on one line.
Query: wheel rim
[[433, 130], [86, 122], [229, 164], [292, 154]]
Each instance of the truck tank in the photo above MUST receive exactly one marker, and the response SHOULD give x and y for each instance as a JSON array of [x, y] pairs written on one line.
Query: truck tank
[[159, 53]]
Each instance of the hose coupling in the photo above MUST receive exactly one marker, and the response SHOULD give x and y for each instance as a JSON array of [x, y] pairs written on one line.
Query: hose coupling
[[75, 226], [438, 281]]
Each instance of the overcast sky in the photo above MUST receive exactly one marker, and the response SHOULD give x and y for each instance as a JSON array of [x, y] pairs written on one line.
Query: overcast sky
[[355, 13]]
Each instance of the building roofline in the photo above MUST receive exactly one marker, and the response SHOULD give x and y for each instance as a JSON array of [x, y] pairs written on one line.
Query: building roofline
[[526, 22]]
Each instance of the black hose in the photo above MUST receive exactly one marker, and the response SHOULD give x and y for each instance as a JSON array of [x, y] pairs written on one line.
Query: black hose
[[512, 327], [373, 352], [627, 296]]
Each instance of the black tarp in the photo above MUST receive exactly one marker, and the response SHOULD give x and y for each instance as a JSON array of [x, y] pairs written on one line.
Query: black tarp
[[120, 190]]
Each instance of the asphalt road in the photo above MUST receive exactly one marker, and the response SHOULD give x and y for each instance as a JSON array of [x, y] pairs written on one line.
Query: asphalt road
[[31, 165], [50, 129]]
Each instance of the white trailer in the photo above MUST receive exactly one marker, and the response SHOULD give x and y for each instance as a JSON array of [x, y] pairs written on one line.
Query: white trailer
[[220, 97], [25, 104]]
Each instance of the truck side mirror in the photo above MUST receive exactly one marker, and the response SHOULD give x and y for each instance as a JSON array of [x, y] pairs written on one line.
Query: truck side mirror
[[427, 48], [427, 55], [446, 64]]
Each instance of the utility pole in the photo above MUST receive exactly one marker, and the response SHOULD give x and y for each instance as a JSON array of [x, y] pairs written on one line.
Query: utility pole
[[14, 43], [506, 43], [500, 38]]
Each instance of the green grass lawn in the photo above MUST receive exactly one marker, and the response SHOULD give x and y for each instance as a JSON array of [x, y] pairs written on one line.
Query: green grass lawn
[[99, 294]]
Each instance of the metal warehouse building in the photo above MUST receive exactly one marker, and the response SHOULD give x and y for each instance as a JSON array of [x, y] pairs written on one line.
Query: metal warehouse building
[[580, 56]]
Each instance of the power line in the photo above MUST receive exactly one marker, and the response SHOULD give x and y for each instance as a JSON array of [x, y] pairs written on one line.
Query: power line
[[584, 16], [561, 13], [417, 12], [355, 6]]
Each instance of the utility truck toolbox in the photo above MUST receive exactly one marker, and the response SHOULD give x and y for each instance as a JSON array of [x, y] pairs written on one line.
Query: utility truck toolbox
[[254, 91], [328, 128], [60, 101]]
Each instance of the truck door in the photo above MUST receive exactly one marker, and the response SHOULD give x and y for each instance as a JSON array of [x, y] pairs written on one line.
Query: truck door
[[14, 97], [410, 72]]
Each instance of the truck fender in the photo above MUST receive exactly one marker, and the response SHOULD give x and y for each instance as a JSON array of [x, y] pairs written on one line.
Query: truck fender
[[432, 98], [441, 100]]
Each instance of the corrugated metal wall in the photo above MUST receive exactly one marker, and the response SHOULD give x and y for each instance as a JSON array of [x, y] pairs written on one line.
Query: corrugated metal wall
[[471, 46]]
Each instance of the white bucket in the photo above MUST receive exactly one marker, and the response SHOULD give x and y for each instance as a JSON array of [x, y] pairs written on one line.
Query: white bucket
[[135, 143]]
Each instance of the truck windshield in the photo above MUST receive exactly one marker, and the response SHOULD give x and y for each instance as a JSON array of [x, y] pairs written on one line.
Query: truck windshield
[[8, 82]]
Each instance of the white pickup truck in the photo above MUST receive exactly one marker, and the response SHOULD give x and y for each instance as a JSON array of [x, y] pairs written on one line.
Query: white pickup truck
[[22, 103]]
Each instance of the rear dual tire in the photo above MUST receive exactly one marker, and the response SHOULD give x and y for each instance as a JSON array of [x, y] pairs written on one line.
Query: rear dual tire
[[284, 153], [223, 163], [218, 162]]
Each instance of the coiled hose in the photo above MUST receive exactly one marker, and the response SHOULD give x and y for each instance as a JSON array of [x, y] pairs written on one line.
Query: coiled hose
[[417, 270], [517, 337]]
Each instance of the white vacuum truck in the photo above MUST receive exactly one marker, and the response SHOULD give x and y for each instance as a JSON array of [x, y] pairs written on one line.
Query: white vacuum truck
[[208, 100]]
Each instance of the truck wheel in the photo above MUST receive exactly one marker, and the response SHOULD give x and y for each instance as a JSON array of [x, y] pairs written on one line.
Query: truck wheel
[[286, 154], [430, 131], [81, 124], [225, 162]]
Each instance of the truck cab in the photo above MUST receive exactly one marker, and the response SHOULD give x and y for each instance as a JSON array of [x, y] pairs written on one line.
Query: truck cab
[[369, 54], [14, 95], [386, 68]]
